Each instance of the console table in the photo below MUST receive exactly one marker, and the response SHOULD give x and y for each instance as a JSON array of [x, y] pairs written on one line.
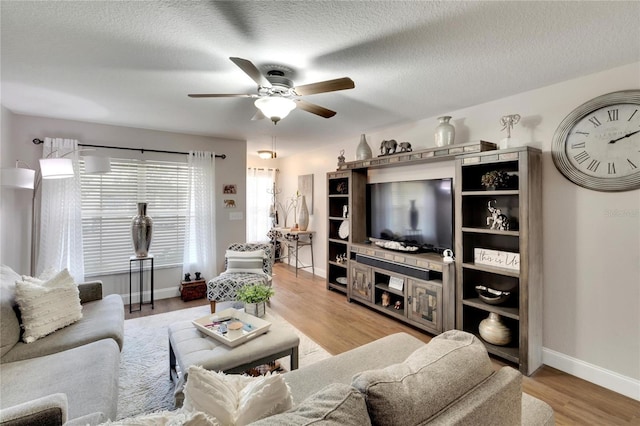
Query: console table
[[294, 240], [140, 261]]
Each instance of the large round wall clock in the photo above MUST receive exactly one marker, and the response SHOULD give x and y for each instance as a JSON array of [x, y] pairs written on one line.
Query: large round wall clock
[[597, 146]]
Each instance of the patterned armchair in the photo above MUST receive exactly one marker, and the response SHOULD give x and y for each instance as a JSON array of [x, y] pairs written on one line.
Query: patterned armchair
[[243, 265]]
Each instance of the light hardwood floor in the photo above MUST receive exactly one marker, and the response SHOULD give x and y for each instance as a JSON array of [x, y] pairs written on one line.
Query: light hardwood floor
[[338, 326]]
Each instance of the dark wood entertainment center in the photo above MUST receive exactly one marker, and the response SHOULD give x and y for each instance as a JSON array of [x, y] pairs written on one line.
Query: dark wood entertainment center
[[420, 288]]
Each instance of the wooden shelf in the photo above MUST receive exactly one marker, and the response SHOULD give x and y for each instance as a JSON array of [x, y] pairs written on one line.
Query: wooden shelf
[[385, 287], [338, 240], [449, 152], [490, 193], [346, 192], [510, 353], [501, 310], [339, 287], [491, 269], [490, 231], [390, 310], [522, 205]]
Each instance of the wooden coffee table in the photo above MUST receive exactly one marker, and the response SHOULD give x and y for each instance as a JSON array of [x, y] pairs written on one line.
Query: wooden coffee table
[[188, 346]]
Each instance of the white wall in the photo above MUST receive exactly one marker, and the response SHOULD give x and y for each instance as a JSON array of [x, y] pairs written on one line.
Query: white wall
[[19, 130], [591, 239]]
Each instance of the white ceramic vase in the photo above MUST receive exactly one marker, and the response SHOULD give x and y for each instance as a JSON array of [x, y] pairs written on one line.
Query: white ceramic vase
[[445, 132], [493, 330], [508, 142], [141, 231], [363, 152], [303, 215]]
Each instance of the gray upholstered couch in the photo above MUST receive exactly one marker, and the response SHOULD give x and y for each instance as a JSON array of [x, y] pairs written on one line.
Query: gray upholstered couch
[[71, 374], [400, 380]]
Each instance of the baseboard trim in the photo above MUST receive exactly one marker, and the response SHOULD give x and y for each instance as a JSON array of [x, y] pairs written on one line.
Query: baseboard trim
[[164, 293], [592, 373]]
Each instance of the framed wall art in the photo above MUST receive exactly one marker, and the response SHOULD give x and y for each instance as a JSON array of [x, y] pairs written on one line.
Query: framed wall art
[[229, 188]]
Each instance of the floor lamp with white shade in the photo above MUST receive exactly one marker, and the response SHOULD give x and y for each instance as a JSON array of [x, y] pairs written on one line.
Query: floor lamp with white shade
[[50, 168]]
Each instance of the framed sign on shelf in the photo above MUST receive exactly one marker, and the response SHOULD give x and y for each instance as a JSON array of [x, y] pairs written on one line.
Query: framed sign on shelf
[[396, 283], [497, 258]]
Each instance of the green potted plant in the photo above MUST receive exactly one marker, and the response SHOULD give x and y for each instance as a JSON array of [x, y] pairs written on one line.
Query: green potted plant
[[495, 179], [255, 297]]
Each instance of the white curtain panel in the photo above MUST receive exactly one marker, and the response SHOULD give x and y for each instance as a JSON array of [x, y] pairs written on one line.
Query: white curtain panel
[[60, 237], [260, 187], [200, 224]]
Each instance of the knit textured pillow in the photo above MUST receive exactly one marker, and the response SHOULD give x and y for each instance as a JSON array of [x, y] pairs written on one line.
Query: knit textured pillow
[[234, 399], [335, 405], [439, 372], [166, 418], [245, 261], [47, 305]]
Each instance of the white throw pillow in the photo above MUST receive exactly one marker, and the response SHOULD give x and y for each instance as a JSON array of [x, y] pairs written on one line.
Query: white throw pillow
[[47, 305], [245, 261], [167, 418], [235, 400]]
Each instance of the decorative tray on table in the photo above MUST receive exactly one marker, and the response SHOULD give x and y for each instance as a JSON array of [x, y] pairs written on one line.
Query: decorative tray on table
[[232, 326]]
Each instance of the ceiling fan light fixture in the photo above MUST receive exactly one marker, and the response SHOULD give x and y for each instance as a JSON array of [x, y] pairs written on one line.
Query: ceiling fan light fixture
[[275, 107], [266, 154]]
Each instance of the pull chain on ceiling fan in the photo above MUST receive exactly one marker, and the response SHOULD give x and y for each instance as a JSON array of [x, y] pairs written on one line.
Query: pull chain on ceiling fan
[[277, 96]]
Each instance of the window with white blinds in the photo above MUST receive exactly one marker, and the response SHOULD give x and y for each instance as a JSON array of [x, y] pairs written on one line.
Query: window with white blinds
[[109, 202]]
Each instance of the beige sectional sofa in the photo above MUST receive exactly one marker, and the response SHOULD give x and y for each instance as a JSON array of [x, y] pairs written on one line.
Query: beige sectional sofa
[[70, 375], [396, 380]]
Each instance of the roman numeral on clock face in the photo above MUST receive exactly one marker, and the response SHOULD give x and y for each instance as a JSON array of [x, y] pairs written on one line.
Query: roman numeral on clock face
[[595, 121], [633, 166], [593, 165], [612, 169], [581, 157], [613, 114], [577, 145], [634, 113]]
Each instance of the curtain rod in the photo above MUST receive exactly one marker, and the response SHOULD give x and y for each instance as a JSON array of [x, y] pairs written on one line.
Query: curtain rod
[[142, 150]]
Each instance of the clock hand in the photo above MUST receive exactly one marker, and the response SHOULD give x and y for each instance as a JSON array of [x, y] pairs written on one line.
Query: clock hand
[[625, 136]]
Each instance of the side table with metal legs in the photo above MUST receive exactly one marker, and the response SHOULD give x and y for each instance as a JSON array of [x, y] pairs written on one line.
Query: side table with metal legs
[[293, 241], [140, 261]]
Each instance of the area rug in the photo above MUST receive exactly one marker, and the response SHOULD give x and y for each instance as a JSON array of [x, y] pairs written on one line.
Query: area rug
[[145, 385]]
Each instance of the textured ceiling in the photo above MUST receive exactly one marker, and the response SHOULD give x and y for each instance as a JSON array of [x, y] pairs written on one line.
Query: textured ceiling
[[132, 63]]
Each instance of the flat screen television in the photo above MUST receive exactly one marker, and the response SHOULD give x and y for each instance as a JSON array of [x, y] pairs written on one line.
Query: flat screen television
[[416, 213]]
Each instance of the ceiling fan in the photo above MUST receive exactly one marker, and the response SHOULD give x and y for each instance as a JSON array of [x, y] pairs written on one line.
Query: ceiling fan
[[277, 96]]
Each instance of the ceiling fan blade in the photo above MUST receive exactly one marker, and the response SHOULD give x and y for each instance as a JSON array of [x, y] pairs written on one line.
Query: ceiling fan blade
[[258, 116], [325, 86], [252, 71], [220, 95], [315, 109]]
